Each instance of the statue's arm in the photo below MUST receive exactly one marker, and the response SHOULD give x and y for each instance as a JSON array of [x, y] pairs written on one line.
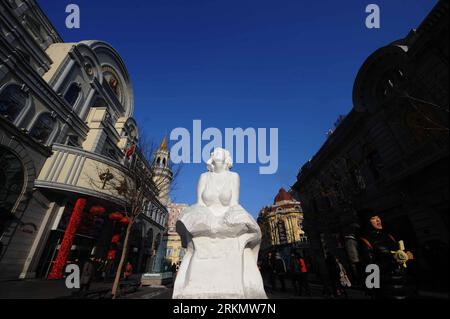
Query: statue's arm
[[200, 188], [235, 189]]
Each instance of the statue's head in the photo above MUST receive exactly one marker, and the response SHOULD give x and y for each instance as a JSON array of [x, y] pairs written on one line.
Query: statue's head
[[220, 161]]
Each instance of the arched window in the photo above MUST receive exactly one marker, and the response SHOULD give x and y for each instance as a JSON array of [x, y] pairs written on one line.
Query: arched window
[[13, 100], [11, 184], [72, 94], [43, 127], [282, 235]]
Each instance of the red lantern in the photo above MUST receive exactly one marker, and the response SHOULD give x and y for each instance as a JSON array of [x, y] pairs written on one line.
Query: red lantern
[[97, 210], [125, 221], [115, 239], [115, 216], [111, 254]]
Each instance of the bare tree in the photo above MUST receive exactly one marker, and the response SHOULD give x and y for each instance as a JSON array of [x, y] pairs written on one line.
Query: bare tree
[[134, 184]]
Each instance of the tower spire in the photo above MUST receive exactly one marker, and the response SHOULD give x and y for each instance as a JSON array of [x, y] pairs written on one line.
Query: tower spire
[[163, 174], [163, 145]]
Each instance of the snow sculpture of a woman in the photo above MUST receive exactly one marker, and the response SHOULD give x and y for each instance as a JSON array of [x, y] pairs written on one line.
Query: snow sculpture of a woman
[[221, 238]]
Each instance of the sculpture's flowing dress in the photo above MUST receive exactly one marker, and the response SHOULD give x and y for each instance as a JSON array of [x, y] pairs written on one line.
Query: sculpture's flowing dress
[[222, 248]]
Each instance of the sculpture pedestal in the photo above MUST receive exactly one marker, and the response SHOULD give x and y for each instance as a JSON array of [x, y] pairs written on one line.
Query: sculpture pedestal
[[219, 268]]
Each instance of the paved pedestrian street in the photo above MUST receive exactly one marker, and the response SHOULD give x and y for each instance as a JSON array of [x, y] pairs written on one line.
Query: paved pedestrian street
[[162, 292]]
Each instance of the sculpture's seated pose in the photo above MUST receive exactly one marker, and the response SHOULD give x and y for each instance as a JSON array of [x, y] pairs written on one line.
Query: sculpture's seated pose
[[221, 238]]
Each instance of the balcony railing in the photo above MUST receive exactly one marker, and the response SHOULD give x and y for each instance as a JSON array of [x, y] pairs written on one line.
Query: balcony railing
[[75, 170]]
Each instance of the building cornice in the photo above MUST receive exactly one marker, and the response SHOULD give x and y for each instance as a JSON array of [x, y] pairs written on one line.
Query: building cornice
[[41, 88], [25, 39]]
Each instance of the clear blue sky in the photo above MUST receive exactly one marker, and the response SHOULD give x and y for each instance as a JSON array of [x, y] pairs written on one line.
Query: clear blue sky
[[288, 64]]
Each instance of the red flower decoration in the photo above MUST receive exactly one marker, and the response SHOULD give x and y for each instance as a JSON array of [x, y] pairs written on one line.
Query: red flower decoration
[[115, 216], [125, 221], [97, 210]]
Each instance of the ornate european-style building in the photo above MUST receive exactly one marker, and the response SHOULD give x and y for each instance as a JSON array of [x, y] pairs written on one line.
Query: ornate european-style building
[[66, 119], [174, 250], [282, 225], [389, 155]]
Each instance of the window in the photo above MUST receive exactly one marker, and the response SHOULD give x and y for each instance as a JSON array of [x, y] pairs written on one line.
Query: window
[[282, 235], [110, 153], [110, 150], [11, 181], [72, 94], [73, 140], [43, 128], [34, 27], [13, 101]]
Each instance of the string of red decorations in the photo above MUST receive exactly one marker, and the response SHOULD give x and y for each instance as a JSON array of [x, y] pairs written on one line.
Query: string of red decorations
[[66, 245], [97, 210]]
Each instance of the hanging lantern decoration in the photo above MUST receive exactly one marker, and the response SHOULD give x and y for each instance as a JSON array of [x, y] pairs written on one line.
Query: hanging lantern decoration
[[115, 216], [125, 221], [111, 254], [97, 210], [115, 239]]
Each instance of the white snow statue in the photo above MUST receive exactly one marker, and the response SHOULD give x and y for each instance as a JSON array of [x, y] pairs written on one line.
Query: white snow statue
[[221, 238]]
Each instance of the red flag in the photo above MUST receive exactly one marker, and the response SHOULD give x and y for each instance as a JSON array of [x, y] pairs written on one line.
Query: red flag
[[130, 151]]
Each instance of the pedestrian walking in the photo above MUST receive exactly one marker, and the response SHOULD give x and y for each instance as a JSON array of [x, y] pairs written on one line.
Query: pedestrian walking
[[279, 270], [87, 275], [128, 271], [299, 273], [334, 274], [304, 283], [271, 273]]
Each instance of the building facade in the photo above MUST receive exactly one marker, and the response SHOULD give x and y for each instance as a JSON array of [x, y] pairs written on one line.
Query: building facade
[[388, 155], [282, 225], [66, 126], [162, 172], [163, 177], [174, 250]]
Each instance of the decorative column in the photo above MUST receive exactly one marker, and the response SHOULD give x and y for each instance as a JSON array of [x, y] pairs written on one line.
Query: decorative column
[[66, 244]]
